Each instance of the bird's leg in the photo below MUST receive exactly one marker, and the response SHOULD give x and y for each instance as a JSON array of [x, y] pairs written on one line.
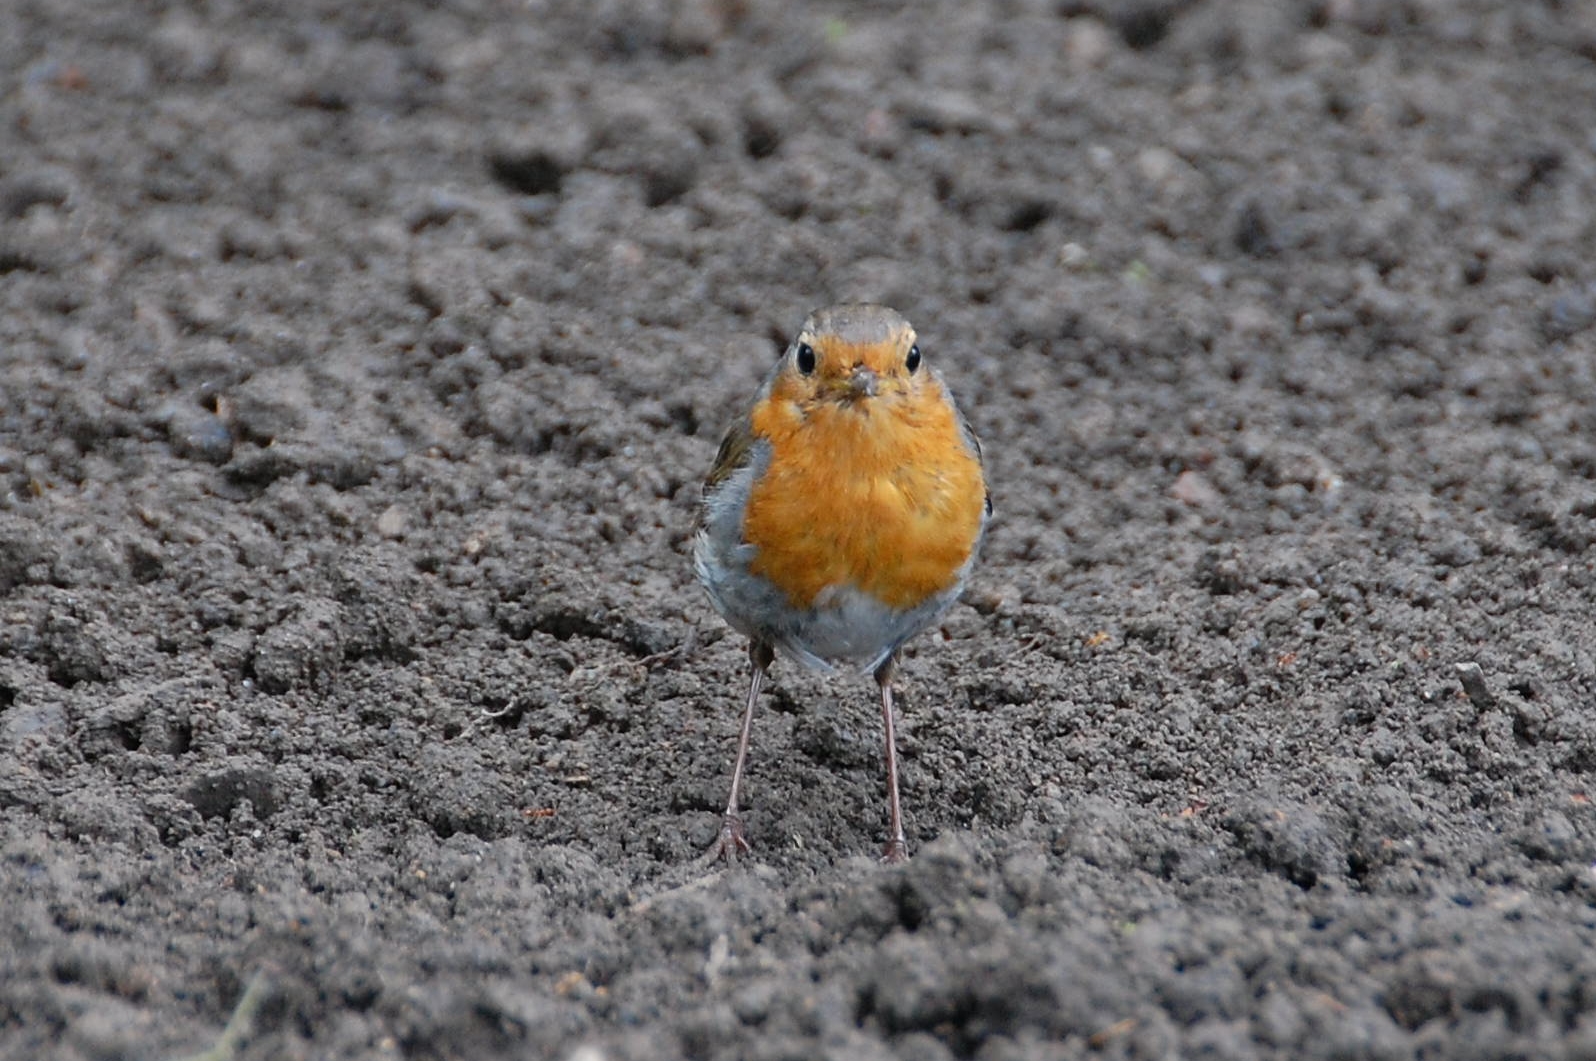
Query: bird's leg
[[730, 843], [897, 848]]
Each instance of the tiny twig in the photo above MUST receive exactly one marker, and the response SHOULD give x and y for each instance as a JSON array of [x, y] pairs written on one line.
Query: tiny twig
[[491, 714], [687, 647], [240, 1024]]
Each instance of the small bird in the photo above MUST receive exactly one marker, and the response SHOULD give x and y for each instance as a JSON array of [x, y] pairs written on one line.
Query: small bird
[[842, 516]]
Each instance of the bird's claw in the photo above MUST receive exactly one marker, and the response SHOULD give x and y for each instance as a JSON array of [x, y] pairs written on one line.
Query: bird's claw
[[729, 844]]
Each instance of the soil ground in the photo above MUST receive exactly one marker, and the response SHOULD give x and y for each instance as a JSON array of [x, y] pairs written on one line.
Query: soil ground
[[359, 363]]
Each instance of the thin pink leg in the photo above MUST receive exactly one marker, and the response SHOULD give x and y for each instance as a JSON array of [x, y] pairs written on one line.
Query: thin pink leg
[[731, 843], [897, 847]]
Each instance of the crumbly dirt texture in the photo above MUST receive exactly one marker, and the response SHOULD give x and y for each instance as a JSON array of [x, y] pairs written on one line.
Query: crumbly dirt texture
[[359, 364]]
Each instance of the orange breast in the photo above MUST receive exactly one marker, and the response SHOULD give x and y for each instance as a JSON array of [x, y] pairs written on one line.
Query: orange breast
[[885, 496]]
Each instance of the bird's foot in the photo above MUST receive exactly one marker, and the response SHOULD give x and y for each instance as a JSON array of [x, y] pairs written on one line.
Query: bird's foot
[[728, 845]]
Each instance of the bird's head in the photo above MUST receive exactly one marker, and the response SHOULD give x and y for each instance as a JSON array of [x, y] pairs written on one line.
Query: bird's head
[[852, 354]]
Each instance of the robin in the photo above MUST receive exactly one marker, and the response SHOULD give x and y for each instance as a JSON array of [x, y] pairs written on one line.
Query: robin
[[842, 517]]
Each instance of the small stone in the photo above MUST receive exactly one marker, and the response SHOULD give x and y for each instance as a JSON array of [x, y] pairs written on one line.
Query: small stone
[[1473, 681], [1088, 44], [1193, 489], [196, 433], [391, 524]]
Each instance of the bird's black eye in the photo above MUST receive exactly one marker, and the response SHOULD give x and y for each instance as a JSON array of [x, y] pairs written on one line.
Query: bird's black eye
[[805, 358], [913, 361]]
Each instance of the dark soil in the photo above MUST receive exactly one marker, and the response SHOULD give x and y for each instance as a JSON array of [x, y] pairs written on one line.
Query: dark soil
[[359, 363]]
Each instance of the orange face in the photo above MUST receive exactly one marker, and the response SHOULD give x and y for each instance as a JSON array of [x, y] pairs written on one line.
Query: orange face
[[833, 367], [873, 481]]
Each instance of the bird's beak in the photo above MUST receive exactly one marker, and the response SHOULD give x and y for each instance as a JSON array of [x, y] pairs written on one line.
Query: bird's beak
[[863, 383]]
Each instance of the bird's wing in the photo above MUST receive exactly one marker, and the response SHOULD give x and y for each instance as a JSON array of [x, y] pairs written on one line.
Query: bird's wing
[[974, 442], [736, 450]]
